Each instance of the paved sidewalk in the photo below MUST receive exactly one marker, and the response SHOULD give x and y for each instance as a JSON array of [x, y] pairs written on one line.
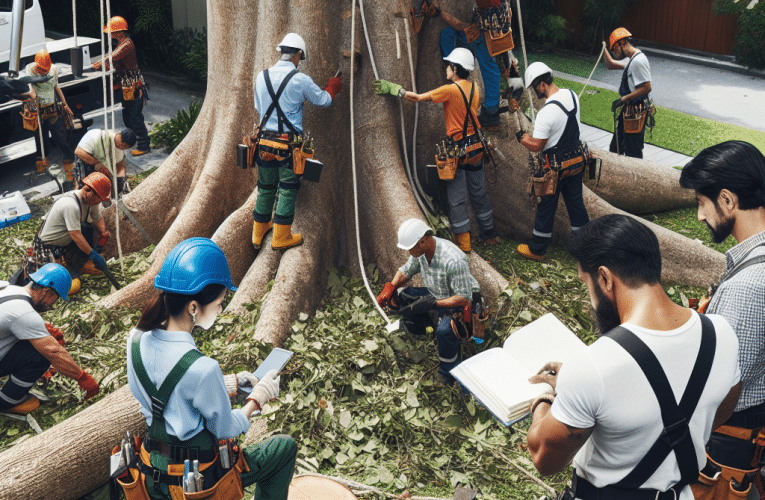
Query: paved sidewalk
[[601, 139]]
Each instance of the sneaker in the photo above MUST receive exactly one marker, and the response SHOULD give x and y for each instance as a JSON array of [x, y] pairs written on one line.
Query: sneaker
[[138, 152], [27, 405], [524, 250]]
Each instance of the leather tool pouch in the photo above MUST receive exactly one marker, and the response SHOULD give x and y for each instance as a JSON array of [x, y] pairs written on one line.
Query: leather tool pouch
[[68, 119], [447, 168], [229, 487], [499, 43], [247, 149], [634, 122], [299, 155], [29, 115], [718, 482], [128, 89], [479, 325], [134, 485], [545, 185]]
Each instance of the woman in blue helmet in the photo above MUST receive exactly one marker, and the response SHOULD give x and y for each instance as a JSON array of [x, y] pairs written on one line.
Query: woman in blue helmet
[[184, 396]]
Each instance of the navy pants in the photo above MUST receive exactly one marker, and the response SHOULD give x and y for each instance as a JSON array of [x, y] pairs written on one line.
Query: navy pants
[[449, 352], [55, 127], [132, 116], [451, 38], [571, 189], [25, 365], [629, 144]]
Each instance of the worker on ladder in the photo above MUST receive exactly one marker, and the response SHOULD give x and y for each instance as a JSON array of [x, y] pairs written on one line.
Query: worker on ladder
[[280, 93]]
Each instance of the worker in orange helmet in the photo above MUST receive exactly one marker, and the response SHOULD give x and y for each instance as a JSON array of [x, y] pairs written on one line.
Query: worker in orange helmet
[[128, 75], [634, 90], [50, 111]]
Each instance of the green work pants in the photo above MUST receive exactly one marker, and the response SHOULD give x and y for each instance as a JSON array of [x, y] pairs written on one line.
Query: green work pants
[[272, 175]]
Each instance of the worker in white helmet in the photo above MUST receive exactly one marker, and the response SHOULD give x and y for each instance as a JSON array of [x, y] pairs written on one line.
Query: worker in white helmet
[[562, 157], [449, 289], [460, 98]]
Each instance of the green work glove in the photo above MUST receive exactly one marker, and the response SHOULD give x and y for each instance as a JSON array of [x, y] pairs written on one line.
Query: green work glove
[[382, 87]]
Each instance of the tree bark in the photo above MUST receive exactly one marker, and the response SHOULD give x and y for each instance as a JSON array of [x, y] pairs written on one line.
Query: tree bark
[[199, 191]]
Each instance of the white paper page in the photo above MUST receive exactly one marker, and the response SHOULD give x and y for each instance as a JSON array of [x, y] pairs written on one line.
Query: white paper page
[[541, 341]]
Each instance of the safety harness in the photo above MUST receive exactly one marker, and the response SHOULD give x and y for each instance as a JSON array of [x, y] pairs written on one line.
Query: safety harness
[[675, 436], [569, 156], [473, 147], [276, 142]]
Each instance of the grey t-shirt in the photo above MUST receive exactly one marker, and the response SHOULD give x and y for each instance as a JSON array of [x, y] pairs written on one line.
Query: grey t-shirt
[[18, 321], [639, 71], [67, 214]]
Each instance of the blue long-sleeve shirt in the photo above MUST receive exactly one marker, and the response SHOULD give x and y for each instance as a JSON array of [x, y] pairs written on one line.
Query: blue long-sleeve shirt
[[200, 399], [299, 89]]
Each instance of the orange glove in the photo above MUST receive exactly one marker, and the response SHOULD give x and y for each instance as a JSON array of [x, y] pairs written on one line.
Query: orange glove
[[49, 374], [88, 384], [472, 32], [387, 292], [56, 333], [334, 86]]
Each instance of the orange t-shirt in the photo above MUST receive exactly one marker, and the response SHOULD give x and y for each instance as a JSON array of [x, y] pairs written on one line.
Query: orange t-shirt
[[454, 107]]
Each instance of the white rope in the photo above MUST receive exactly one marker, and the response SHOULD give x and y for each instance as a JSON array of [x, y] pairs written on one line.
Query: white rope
[[525, 57], [353, 159], [369, 45], [603, 49]]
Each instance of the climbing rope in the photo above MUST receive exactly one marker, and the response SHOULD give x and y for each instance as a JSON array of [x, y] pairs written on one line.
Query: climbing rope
[[593, 71], [353, 158], [525, 57]]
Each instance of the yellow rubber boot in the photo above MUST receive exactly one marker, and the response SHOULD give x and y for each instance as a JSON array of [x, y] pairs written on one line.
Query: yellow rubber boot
[[28, 406], [524, 250], [463, 241], [283, 237], [75, 286], [259, 231]]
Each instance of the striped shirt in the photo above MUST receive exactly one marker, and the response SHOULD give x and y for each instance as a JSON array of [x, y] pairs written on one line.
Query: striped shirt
[[447, 274], [741, 300]]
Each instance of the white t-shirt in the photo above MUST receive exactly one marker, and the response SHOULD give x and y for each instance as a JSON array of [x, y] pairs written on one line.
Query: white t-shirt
[[551, 120], [638, 72], [603, 387], [18, 320], [46, 91], [67, 214], [98, 143]]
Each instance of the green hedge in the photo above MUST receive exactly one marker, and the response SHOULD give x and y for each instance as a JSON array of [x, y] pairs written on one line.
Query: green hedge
[[750, 39]]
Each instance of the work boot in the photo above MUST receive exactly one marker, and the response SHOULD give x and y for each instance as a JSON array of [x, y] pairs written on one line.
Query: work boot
[[524, 250], [42, 164], [27, 405], [463, 241], [259, 231], [491, 241], [488, 120], [138, 152], [75, 286], [283, 237], [90, 268]]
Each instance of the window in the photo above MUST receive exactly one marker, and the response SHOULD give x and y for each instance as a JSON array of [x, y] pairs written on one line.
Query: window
[[7, 5]]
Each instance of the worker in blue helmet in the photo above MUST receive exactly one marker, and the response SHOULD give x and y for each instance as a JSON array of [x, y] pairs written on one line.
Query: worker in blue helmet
[[28, 345], [184, 395]]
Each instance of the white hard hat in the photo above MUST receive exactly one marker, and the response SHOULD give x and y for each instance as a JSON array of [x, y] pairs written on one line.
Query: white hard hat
[[293, 41], [410, 232], [536, 70], [463, 57]]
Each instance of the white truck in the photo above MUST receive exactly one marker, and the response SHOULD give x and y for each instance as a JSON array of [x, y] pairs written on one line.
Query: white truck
[[83, 93]]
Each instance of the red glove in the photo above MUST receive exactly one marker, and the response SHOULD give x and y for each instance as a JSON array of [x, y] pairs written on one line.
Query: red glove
[[56, 333], [49, 374], [102, 240], [334, 86], [88, 384], [387, 292]]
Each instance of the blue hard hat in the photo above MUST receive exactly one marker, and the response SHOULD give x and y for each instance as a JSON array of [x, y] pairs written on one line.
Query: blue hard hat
[[192, 265], [54, 276]]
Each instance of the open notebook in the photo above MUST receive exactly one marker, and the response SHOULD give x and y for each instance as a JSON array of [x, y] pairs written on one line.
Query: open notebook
[[498, 378]]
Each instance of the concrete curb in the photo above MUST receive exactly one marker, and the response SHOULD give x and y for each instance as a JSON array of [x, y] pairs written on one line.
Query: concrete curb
[[703, 60]]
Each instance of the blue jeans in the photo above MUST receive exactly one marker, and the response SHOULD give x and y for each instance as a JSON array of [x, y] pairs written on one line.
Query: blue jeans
[[57, 132], [571, 189], [471, 183], [25, 365], [451, 39], [132, 116], [449, 351]]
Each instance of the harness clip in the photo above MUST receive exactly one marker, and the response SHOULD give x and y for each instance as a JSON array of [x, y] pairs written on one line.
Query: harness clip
[[675, 433]]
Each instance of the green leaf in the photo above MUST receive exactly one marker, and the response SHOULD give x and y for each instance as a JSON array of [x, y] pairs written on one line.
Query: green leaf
[[345, 419], [411, 397]]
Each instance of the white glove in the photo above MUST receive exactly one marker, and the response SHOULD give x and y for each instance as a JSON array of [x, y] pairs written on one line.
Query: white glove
[[231, 384], [247, 379], [266, 389]]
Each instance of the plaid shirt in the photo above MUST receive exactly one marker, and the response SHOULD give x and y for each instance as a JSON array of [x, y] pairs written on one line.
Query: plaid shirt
[[741, 301], [448, 273]]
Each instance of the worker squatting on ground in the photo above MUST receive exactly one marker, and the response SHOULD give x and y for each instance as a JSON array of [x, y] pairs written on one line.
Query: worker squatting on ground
[[74, 231], [616, 411], [462, 128], [449, 287], [280, 93], [103, 151], [28, 345], [51, 115], [184, 396], [729, 180], [563, 158], [128, 76], [634, 90]]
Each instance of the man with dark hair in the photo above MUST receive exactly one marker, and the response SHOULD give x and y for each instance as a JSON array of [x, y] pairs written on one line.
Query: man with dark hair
[[460, 98], [616, 412], [556, 138], [103, 151], [729, 180], [634, 89]]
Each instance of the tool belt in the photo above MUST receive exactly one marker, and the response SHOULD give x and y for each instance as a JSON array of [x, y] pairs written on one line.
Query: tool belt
[[634, 116], [495, 24], [300, 153], [543, 183], [568, 162], [585, 490], [446, 166], [29, 115], [48, 112], [275, 145]]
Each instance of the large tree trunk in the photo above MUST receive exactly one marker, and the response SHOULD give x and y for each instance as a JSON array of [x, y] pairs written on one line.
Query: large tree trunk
[[199, 191]]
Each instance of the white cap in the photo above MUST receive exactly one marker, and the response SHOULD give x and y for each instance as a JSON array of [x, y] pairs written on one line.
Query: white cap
[[410, 232], [463, 57], [293, 41], [536, 70]]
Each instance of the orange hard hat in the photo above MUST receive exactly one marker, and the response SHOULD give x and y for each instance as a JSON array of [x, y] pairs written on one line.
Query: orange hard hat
[[616, 35], [116, 23], [42, 60], [100, 184]]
